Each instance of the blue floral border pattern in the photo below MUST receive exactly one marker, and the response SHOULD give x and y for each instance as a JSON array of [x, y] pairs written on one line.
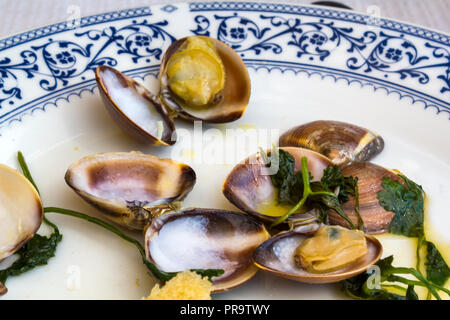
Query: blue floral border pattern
[[58, 68], [397, 56], [58, 61]]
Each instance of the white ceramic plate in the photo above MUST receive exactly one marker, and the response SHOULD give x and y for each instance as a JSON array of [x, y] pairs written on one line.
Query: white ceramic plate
[[305, 63]]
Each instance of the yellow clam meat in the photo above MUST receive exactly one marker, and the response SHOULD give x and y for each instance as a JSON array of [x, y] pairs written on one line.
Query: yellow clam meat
[[331, 248], [196, 73], [202, 78]]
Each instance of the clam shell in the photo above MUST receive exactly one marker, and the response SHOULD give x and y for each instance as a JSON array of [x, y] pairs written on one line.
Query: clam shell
[[341, 142], [376, 219], [276, 255], [21, 211], [248, 186], [206, 239], [135, 109], [231, 101], [130, 187], [3, 289]]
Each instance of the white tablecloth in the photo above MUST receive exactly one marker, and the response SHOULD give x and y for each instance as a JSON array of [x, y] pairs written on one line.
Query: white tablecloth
[[20, 15]]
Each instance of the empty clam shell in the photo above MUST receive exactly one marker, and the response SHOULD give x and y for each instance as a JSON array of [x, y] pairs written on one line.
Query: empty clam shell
[[135, 109], [341, 142], [276, 255], [130, 187], [206, 239], [249, 186], [21, 211], [376, 219], [229, 104]]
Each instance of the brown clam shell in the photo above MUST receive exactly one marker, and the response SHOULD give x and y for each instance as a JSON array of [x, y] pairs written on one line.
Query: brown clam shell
[[376, 219], [247, 186], [130, 188], [341, 142], [206, 239], [3, 289], [112, 83], [276, 255], [231, 101]]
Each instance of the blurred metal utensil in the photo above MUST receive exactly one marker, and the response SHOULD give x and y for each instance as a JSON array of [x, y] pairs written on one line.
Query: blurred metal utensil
[[332, 4]]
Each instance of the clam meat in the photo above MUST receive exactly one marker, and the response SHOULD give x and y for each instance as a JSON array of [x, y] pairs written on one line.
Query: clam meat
[[331, 248], [318, 255], [202, 78], [339, 141], [206, 239], [130, 188]]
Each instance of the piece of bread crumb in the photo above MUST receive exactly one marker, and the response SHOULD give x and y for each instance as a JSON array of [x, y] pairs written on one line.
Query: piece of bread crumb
[[186, 285]]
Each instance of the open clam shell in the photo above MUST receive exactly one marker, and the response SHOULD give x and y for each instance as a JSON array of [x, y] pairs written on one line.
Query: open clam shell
[[339, 141], [206, 239], [228, 105], [135, 109], [249, 186], [276, 255], [376, 219], [130, 188], [21, 211]]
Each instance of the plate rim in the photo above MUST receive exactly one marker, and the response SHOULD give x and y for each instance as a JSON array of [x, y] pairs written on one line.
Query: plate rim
[[67, 23], [78, 88], [150, 70]]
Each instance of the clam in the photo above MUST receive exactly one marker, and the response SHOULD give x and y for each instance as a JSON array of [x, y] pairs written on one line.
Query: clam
[[278, 255], [21, 212], [130, 188], [376, 219], [201, 78], [135, 109], [249, 186], [206, 239], [204, 79], [341, 142]]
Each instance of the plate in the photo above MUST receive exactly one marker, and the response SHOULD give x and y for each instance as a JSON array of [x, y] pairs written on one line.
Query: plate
[[306, 63]]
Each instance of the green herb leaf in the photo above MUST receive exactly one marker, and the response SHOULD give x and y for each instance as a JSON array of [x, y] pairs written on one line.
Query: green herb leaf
[[407, 202], [320, 200], [411, 294], [25, 170], [437, 269], [36, 252], [357, 287], [289, 183], [333, 178], [159, 274], [209, 273], [296, 188]]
